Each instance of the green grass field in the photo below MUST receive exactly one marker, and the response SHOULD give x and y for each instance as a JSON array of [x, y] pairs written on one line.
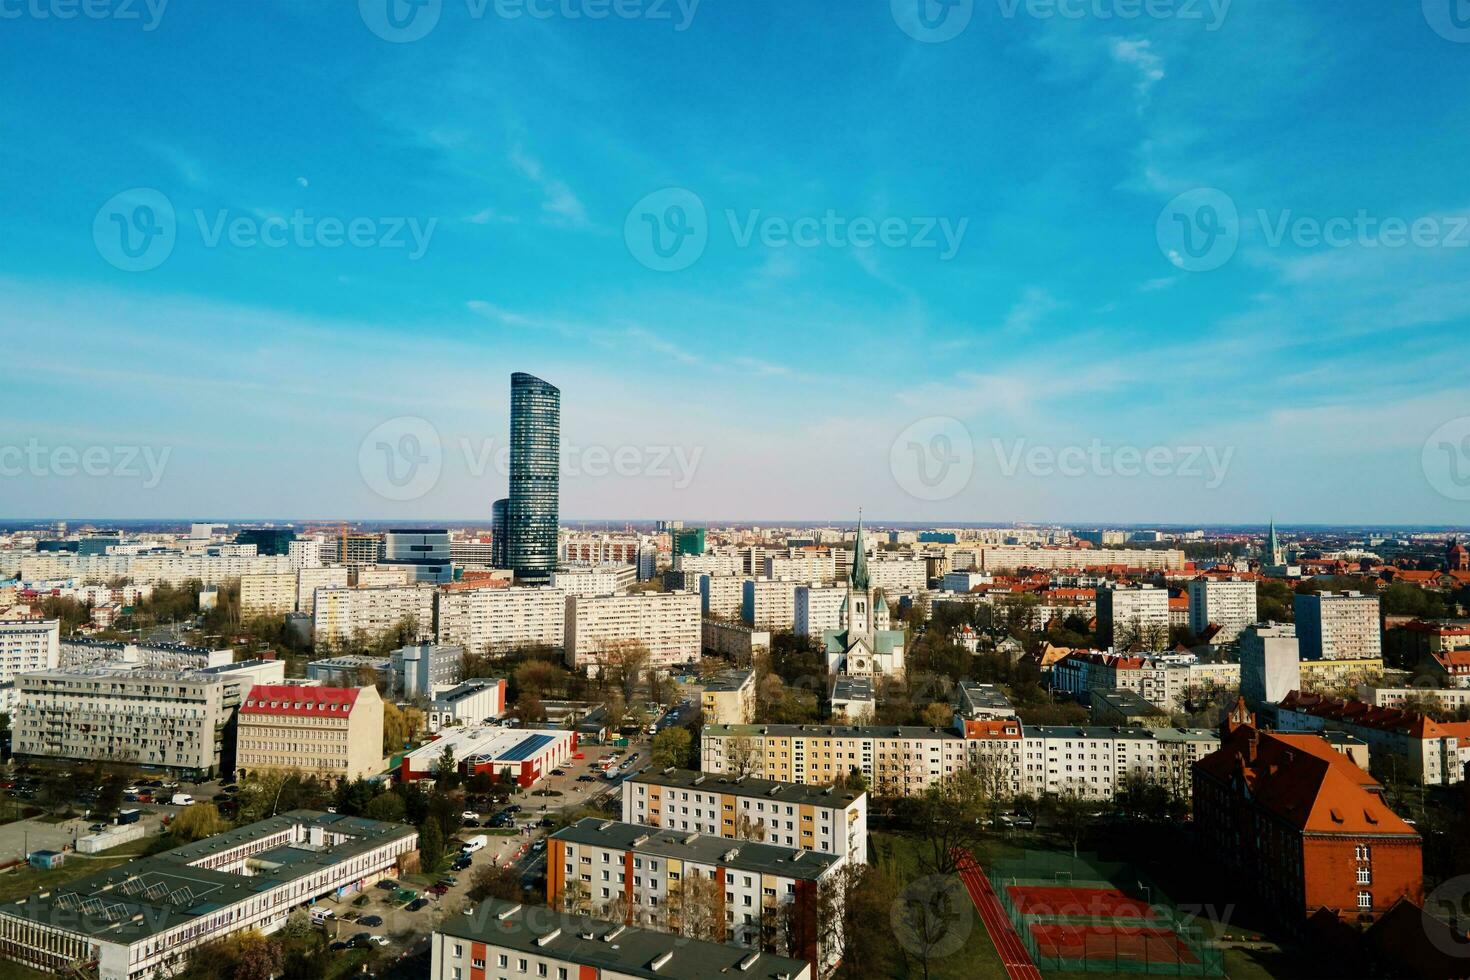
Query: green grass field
[[24, 880]]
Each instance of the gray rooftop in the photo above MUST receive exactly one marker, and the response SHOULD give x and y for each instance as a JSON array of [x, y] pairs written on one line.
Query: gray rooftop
[[832, 731], [612, 947], [153, 894], [768, 789], [846, 688], [727, 681], [735, 855], [1125, 702]]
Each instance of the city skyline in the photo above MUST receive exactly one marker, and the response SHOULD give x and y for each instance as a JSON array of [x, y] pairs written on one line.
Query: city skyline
[[1032, 288]]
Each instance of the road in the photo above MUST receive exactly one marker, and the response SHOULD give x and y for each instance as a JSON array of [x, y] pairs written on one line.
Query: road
[[1013, 955]]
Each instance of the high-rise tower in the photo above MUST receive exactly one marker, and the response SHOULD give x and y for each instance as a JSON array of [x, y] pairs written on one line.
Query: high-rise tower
[[535, 478]]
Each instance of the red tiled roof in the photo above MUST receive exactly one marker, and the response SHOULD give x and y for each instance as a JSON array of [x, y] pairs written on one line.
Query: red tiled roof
[[993, 729], [287, 699], [1409, 723]]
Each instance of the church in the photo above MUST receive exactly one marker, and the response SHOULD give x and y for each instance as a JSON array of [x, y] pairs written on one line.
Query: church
[[863, 645]]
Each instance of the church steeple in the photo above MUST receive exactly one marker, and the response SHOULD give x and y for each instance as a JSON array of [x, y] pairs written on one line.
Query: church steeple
[[1274, 554], [859, 577]]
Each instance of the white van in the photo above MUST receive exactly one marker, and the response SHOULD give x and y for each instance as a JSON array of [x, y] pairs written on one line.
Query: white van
[[320, 914], [473, 844], [182, 799]]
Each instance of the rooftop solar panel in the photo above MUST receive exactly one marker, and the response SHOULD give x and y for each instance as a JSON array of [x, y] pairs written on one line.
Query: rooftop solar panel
[[526, 748]]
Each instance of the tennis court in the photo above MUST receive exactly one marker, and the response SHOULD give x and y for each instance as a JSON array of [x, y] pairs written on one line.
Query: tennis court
[[1081, 902], [1101, 942]]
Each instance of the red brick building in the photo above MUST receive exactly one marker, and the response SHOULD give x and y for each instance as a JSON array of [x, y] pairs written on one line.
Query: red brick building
[[1304, 827]]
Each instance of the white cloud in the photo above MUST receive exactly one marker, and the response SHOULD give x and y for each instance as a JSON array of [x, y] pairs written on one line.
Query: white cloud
[[560, 203], [1139, 54]]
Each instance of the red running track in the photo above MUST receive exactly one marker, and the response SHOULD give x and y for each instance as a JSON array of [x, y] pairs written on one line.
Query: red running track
[[1018, 963]]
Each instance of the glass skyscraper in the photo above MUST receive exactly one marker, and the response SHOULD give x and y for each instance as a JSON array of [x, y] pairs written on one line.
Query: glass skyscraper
[[499, 532], [535, 478]]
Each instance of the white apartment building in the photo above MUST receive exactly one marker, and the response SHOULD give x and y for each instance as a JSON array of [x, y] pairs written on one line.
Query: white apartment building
[[1338, 626], [667, 623], [595, 580], [818, 608], [1229, 604], [722, 595], [1094, 762], [1270, 663], [895, 575], [712, 563], [1137, 614], [1010, 558], [373, 576], [808, 566], [267, 594], [589, 865], [341, 614], [810, 818], [498, 620], [129, 713], [148, 569], [769, 604], [77, 652], [308, 553], [308, 580], [27, 645]]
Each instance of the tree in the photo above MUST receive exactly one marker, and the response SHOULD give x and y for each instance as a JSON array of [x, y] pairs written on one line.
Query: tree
[[400, 726], [198, 821], [855, 918], [623, 662], [938, 715], [925, 919], [949, 818], [431, 844], [446, 771], [491, 881], [692, 908], [387, 807], [742, 756], [671, 747]]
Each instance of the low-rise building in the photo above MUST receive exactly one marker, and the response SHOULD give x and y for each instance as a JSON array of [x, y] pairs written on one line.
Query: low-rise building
[[1124, 707], [499, 939], [331, 732], [735, 640], [852, 700], [1402, 745], [477, 700], [728, 698], [828, 819], [981, 702], [518, 755], [138, 920], [646, 876]]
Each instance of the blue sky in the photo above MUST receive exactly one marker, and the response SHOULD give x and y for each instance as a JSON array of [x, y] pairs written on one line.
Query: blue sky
[[1271, 374]]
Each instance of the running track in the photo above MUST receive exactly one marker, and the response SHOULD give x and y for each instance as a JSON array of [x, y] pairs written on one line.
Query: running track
[[1017, 961]]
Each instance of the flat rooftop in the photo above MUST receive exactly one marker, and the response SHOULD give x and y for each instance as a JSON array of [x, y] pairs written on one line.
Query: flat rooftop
[[727, 681], [831, 731], [613, 947], [153, 894], [682, 845], [766, 789]]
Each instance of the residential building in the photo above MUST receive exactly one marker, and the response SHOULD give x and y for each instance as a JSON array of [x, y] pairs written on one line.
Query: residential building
[[712, 563], [519, 755], [1270, 664], [173, 719], [721, 595], [829, 820], [137, 920], [267, 594], [79, 652], [769, 604], [1136, 615], [1304, 828], [1126, 708], [331, 732], [666, 623], [307, 552], [896, 761], [1094, 762], [476, 701], [605, 579], [1338, 626], [740, 643], [535, 478], [728, 698], [895, 575], [28, 645], [852, 700], [495, 620], [641, 875], [1012, 558], [800, 565], [308, 580], [1402, 744], [817, 609], [1165, 680], [499, 939], [964, 581], [1227, 604], [419, 670], [343, 614], [687, 540], [981, 702]]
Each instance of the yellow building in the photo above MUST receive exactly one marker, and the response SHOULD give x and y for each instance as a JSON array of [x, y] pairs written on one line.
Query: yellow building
[[323, 731]]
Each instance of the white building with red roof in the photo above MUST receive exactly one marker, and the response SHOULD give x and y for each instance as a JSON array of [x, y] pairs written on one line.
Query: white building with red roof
[[320, 731]]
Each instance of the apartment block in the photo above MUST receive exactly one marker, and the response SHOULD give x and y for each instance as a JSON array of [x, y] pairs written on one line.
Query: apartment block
[[28, 645], [134, 714], [309, 579], [740, 643], [667, 623], [331, 732], [267, 594], [500, 939], [1338, 626], [824, 819], [595, 579], [641, 876], [728, 698], [769, 604], [1270, 663], [1228, 604], [494, 620], [818, 608], [722, 595], [1402, 745], [897, 575], [807, 566], [342, 614], [1012, 558], [1136, 615]]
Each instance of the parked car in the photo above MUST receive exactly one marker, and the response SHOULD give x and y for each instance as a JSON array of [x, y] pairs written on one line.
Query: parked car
[[439, 889], [558, 772], [378, 940], [370, 920], [472, 822], [388, 884], [362, 939], [584, 778], [339, 946], [417, 904], [469, 815], [97, 828]]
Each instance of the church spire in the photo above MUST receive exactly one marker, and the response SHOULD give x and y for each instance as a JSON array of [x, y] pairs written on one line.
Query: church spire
[[859, 576]]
